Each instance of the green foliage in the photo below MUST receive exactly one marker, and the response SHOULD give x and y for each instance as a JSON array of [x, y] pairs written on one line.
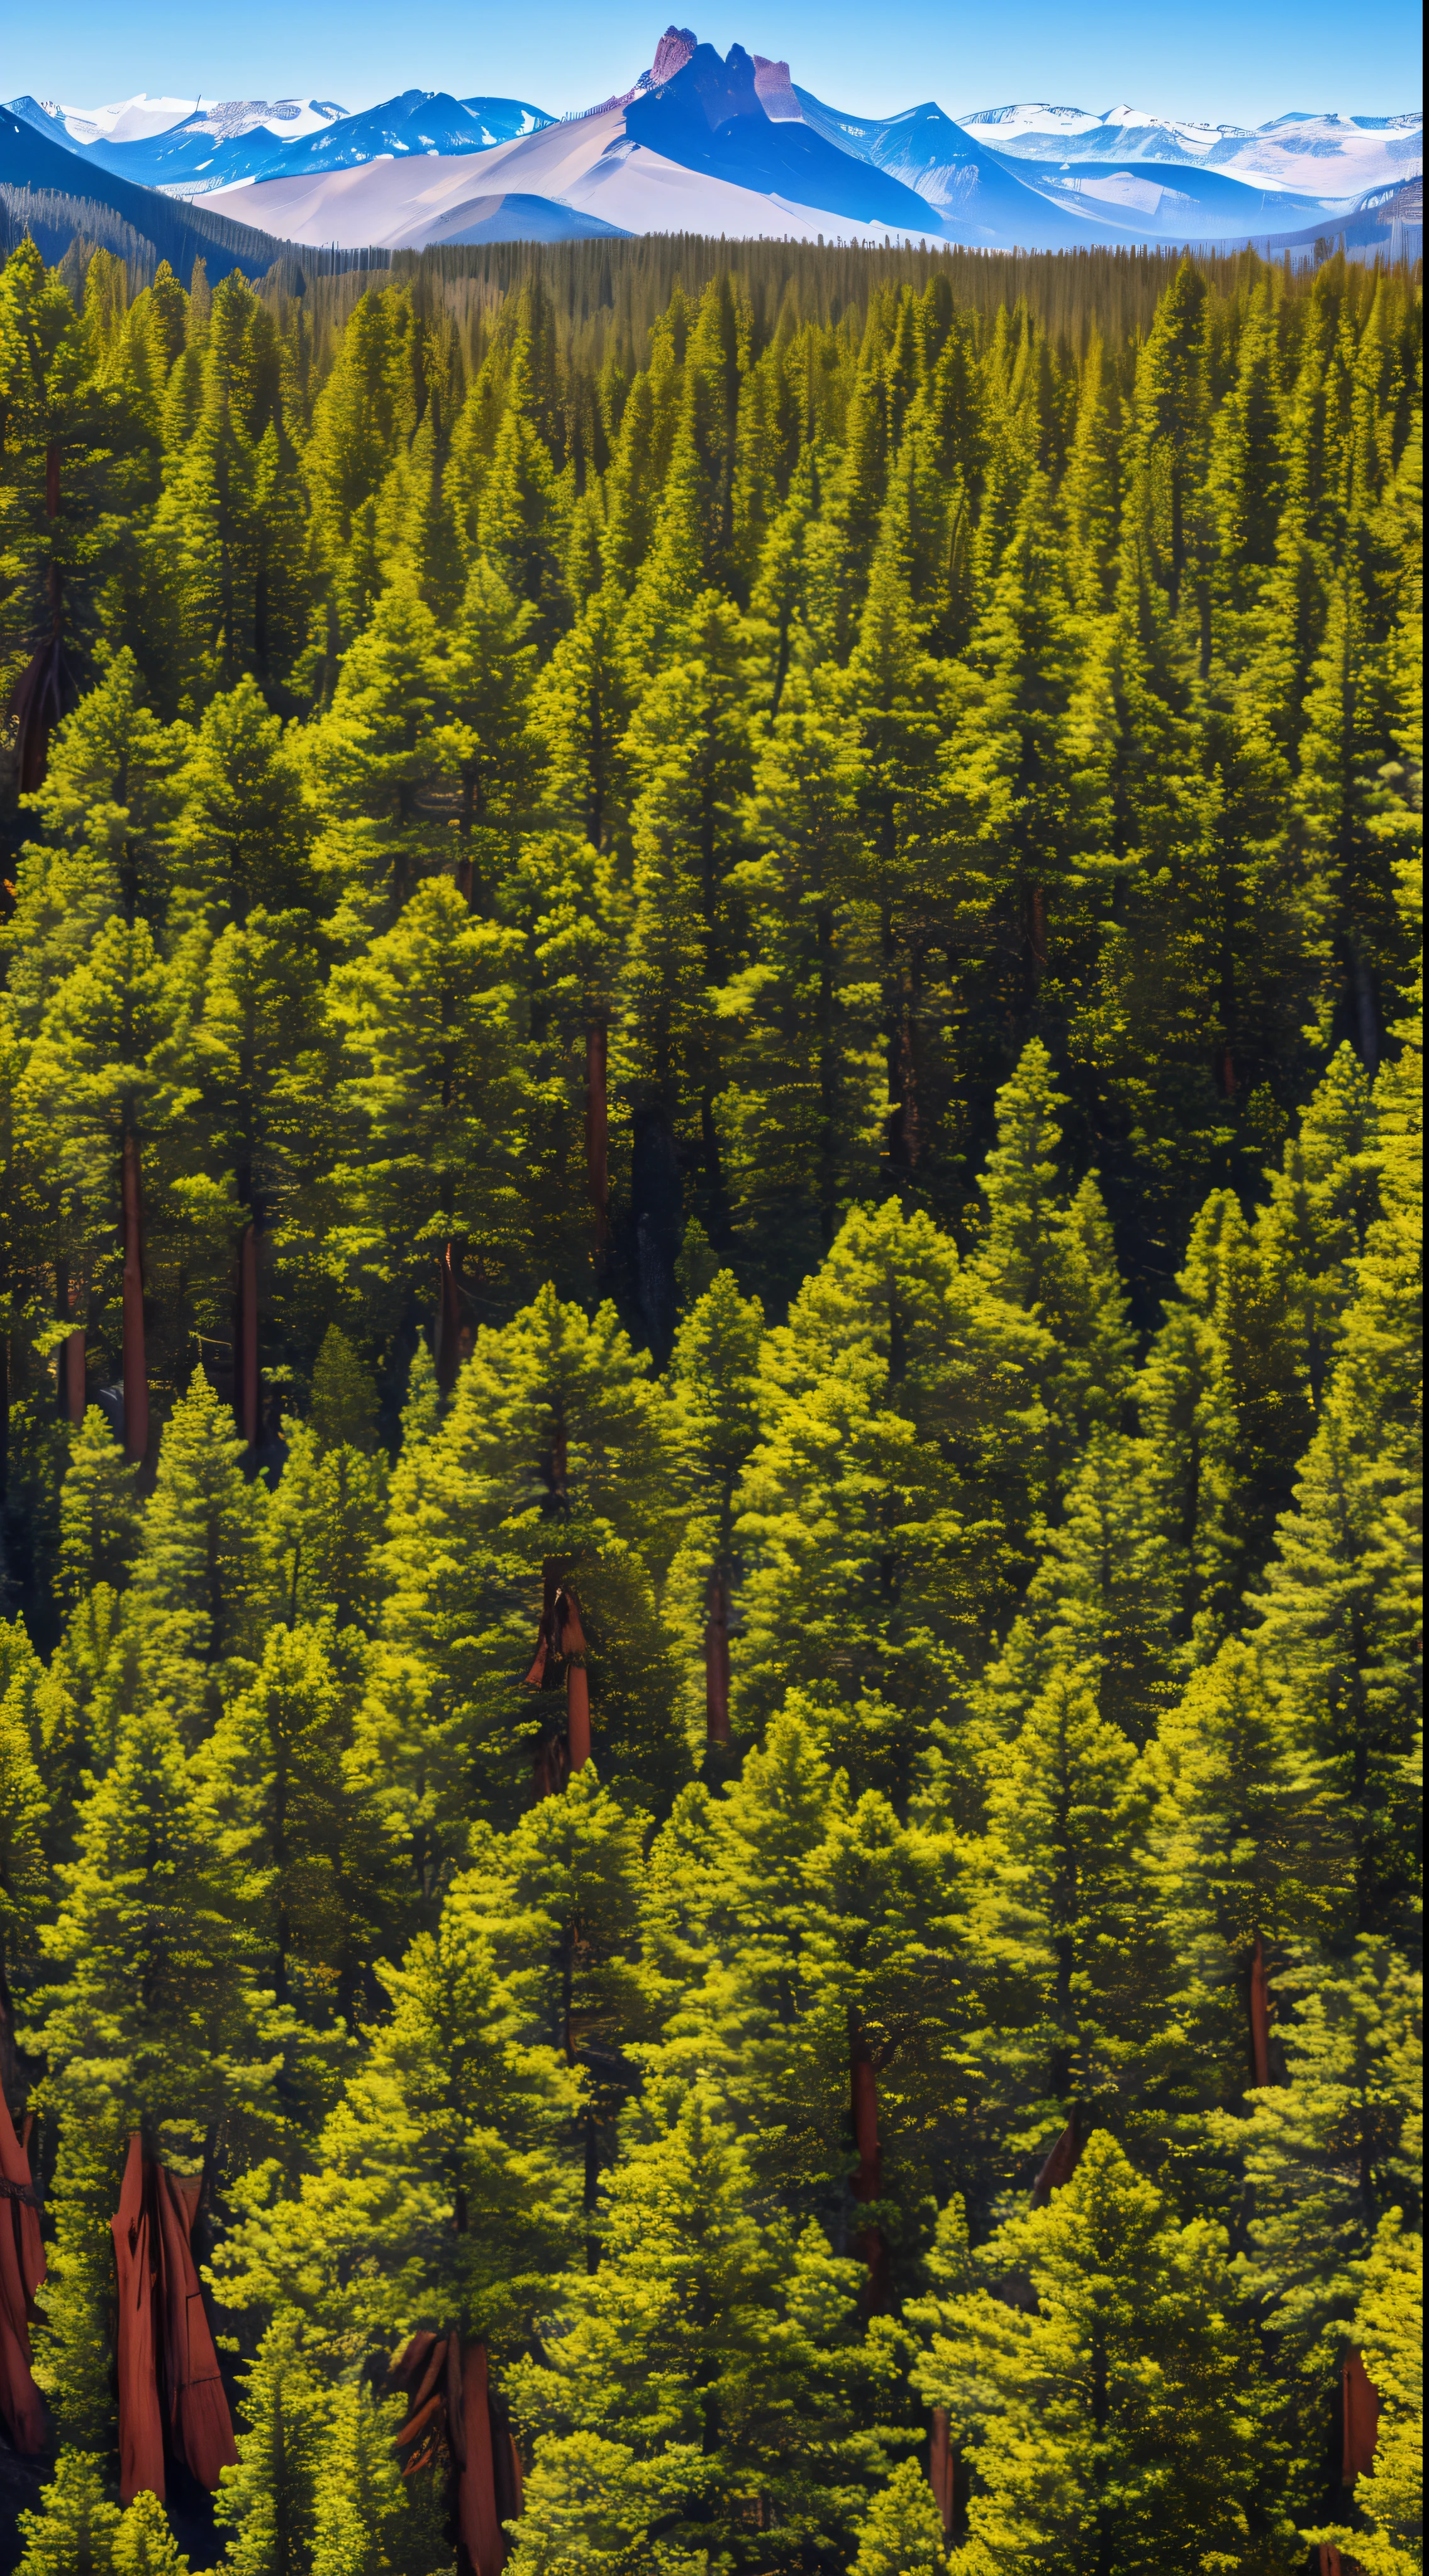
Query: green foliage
[[74, 2530], [1118, 2406], [749, 913]]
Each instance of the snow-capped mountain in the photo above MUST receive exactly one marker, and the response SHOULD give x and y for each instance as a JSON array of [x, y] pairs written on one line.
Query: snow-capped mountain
[[1332, 156], [223, 144], [734, 145], [139, 119]]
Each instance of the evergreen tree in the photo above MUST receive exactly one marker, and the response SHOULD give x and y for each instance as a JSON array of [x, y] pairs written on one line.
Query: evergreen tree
[[1117, 2408], [902, 2534], [436, 1098], [361, 2507], [73, 2530], [203, 1559], [1076, 1968], [144, 2545], [1389, 2335], [269, 2501], [720, 2381]]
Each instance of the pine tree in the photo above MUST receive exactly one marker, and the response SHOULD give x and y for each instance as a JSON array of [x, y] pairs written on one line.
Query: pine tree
[[361, 2504], [1246, 1848], [436, 1099], [380, 748], [273, 1786], [183, 2049], [203, 1561], [25, 1814], [1171, 415], [442, 2198], [105, 814], [553, 1457], [902, 2533], [714, 2391], [1116, 2409], [1076, 1967], [106, 1080], [269, 2501], [1389, 2335], [491, 675], [1339, 1633], [99, 1513], [72, 2531], [326, 1517], [244, 838], [1327, 2156], [1047, 1251], [798, 1022], [144, 2545], [713, 1383]]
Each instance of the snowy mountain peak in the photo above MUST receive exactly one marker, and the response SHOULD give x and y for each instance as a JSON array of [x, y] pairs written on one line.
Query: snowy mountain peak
[[141, 119]]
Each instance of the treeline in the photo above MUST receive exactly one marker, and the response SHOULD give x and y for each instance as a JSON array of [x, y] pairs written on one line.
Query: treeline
[[710, 1249]]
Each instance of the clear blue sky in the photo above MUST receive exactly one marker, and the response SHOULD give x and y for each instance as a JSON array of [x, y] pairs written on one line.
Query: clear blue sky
[[1220, 59]]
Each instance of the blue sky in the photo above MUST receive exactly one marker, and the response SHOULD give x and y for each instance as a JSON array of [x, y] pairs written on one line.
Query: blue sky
[[1219, 59]]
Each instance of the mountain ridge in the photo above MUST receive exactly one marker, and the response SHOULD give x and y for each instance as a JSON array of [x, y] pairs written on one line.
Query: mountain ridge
[[734, 143]]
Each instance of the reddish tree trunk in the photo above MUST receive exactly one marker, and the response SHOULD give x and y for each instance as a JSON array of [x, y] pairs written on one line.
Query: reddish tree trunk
[[1259, 2016], [22, 2269], [136, 1375], [245, 1340], [1330, 2562], [1060, 2166], [481, 2543], [452, 2411], [167, 2362], [572, 1643], [940, 2468], [868, 2176], [1361, 2404], [717, 1660], [597, 1137], [560, 1640], [200, 2424], [141, 2425]]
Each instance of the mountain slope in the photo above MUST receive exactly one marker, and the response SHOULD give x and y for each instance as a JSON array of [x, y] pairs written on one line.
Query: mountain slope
[[710, 118], [590, 166], [177, 233], [974, 196], [211, 149], [1331, 157]]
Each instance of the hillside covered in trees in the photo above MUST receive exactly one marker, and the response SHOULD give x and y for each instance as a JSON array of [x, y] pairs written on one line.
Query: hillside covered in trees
[[709, 1265]]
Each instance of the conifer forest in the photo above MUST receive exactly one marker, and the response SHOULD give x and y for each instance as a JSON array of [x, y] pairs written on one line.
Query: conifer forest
[[709, 1250]]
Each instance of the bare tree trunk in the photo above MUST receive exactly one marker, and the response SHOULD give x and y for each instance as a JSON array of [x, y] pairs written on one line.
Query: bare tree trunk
[[480, 2540], [940, 2468]]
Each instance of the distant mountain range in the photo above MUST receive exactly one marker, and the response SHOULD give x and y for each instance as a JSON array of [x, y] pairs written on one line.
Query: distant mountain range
[[735, 145]]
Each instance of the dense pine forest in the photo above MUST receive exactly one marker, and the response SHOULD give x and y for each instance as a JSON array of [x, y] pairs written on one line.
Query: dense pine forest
[[709, 1758]]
